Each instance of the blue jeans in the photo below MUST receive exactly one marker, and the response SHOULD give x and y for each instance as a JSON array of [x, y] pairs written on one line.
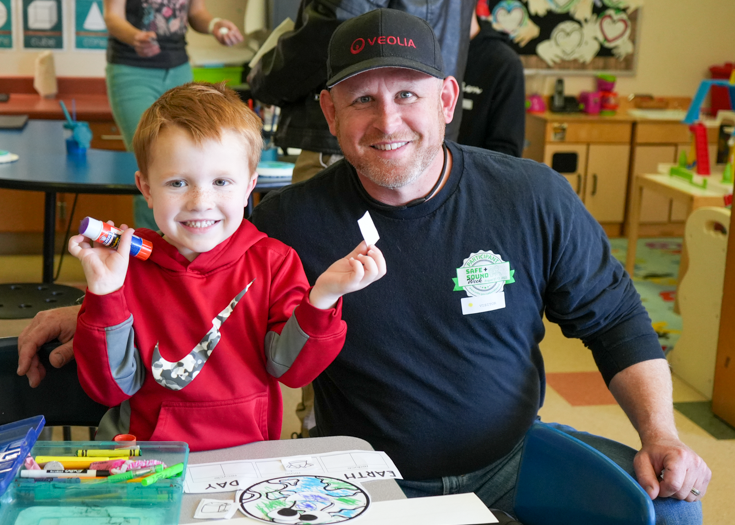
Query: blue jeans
[[495, 484], [132, 90]]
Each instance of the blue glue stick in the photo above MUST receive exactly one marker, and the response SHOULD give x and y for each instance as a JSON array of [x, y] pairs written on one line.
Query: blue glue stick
[[109, 236]]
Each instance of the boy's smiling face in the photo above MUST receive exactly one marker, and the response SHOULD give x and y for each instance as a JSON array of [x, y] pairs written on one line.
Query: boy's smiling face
[[198, 192]]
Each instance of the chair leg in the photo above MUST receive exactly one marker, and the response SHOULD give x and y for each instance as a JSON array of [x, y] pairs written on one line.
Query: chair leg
[[67, 433], [92, 432]]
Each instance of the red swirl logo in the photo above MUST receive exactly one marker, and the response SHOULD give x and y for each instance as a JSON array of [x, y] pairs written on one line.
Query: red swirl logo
[[357, 46]]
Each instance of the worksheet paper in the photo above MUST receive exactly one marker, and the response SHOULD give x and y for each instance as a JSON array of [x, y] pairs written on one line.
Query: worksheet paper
[[359, 466], [455, 509]]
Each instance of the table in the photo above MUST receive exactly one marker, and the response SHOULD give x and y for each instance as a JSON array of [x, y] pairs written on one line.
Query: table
[[674, 188], [378, 490], [44, 166]]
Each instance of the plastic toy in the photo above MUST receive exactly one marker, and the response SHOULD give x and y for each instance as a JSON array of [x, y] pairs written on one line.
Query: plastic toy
[[77, 134], [698, 155]]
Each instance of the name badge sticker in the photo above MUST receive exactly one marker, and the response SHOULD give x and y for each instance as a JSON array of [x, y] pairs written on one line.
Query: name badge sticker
[[482, 276]]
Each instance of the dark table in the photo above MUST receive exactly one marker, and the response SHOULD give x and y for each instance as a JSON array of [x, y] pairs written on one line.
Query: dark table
[[44, 166]]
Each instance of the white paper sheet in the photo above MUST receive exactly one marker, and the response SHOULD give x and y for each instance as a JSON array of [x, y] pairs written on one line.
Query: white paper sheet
[[367, 227], [212, 509], [456, 509], [359, 466]]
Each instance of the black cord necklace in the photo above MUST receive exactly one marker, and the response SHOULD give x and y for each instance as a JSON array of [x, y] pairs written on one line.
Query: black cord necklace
[[426, 197]]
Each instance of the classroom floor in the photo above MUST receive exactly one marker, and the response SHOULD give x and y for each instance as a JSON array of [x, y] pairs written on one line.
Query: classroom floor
[[576, 396]]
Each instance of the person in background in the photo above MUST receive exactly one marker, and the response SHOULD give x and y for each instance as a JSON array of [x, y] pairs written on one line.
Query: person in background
[[494, 105], [293, 74], [146, 56]]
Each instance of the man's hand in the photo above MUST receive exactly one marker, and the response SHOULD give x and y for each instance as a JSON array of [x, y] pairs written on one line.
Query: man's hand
[[364, 265], [669, 469], [46, 326], [146, 44]]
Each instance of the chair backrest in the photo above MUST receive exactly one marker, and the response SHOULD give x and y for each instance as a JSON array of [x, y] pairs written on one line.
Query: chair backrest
[[59, 397], [563, 481]]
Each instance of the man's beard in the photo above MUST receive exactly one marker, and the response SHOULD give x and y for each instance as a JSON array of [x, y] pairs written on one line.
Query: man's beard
[[393, 174]]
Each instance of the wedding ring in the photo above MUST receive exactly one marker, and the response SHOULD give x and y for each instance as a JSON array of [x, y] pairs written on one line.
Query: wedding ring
[[695, 492]]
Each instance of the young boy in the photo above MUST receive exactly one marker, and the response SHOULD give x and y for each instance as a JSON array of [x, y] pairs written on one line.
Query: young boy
[[190, 344]]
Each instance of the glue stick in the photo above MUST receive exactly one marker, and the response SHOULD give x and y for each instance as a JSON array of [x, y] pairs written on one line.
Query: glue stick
[[108, 235]]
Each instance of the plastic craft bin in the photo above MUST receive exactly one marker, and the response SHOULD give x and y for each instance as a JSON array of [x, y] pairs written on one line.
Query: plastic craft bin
[[232, 75], [39, 503]]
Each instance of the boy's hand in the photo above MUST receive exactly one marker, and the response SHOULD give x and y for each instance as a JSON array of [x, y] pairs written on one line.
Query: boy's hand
[[364, 265], [104, 268]]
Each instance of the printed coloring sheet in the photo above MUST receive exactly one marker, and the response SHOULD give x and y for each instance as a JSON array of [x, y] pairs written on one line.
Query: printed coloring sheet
[[353, 465]]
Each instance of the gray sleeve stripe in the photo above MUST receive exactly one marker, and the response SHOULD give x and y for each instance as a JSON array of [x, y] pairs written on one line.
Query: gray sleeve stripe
[[282, 350], [125, 363]]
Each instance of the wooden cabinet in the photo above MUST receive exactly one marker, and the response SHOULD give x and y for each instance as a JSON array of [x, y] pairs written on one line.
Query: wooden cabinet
[[592, 153]]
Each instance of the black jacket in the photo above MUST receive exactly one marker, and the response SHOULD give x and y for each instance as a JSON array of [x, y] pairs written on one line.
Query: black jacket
[[293, 73], [494, 94]]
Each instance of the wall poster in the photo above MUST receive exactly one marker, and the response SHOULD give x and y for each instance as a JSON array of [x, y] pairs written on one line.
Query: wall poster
[[6, 24], [583, 35], [90, 31], [43, 24]]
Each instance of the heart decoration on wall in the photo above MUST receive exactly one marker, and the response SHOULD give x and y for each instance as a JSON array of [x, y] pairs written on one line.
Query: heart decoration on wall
[[509, 16], [568, 37], [614, 26]]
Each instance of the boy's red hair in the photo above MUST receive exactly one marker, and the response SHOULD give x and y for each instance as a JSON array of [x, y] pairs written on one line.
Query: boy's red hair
[[204, 110]]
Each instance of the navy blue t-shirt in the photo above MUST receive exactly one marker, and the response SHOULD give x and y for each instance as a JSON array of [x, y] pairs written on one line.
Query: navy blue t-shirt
[[441, 368]]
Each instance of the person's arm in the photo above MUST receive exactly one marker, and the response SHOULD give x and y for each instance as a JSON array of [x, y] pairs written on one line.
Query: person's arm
[[144, 42], [506, 121], [644, 392], [305, 330], [224, 31], [60, 323]]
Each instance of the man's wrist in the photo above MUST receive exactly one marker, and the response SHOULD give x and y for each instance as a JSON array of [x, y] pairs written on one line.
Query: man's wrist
[[212, 23]]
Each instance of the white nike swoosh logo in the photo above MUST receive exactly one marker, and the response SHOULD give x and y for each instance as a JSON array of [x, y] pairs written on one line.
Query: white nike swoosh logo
[[176, 376]]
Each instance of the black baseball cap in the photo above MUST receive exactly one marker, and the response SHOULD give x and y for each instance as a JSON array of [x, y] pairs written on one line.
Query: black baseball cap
[[383, 38]]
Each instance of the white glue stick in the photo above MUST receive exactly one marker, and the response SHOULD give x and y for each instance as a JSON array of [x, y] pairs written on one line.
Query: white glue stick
[[108, 235]]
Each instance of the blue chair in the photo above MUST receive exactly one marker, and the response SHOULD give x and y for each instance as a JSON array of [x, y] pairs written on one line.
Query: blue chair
[[563, 481]]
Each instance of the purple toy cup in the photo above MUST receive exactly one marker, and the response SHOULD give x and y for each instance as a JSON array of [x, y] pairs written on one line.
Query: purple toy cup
[[606, 82]]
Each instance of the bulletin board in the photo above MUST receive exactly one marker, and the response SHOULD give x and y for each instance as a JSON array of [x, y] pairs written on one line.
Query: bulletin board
[[569, 35]]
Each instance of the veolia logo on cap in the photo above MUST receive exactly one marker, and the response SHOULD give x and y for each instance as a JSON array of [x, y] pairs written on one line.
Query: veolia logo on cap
[[359, 43]]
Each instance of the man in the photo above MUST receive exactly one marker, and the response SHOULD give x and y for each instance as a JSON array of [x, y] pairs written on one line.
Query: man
[[494, 104], [441, 368], [292, 74]]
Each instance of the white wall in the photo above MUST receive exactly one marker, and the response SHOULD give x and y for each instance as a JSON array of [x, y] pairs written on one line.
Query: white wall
[[679, 40]]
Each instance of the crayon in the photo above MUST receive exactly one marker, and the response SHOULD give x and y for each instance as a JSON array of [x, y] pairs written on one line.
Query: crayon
[[69, 462], [67, 473], [130, 474], [169, 472], [118, 452]]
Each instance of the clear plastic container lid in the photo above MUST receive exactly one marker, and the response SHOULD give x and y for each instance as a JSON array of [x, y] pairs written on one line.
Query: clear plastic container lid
[[16, 441]]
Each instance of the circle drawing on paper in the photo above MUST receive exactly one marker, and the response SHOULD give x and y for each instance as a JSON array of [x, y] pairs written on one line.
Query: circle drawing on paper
[[304, 500], [3, 15]]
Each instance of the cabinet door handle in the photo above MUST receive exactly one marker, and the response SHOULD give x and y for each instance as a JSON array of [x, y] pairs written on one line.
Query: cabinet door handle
[[579, 184], [111, 137], [594, 184]]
